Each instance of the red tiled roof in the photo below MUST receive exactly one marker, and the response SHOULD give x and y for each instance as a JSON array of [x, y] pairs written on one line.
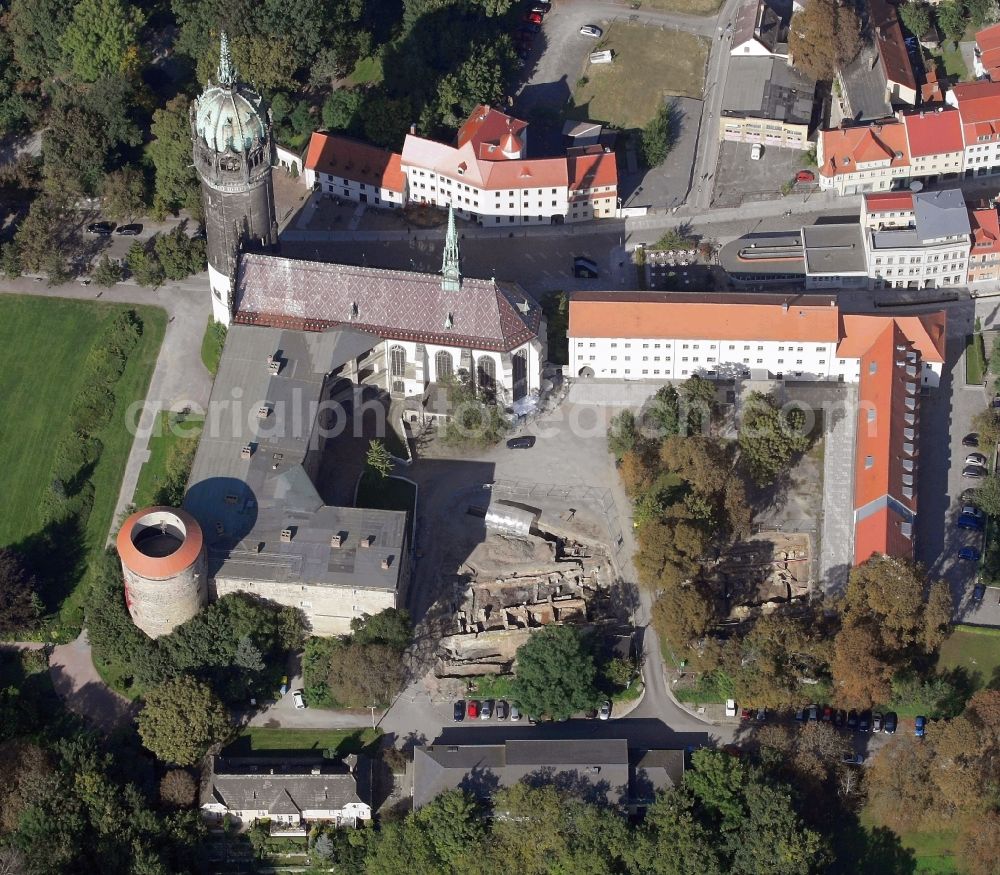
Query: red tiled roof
[[985, 230], [979, 107], [393, 304], [890, 44], [487, 127], [351, 159], [844, 148], [592, 169], [598, 314], [988, 40], [890, 200], [934, 133]]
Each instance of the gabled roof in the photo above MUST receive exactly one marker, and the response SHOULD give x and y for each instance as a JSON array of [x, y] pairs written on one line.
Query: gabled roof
[[392, 304], [985, 231], [978, 104], [592, 168], [889, 201], [280, 786], [755, 20], [743, 317], [888, 38], [988, 41], [845, 148], [487, 127], [933, 133], [352, 159]]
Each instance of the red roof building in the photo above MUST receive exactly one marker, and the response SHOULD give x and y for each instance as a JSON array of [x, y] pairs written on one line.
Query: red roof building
[[984, 257], [979, 108], [934, 141], [865, 158], [342, 167], [493, 135], [987, 54]]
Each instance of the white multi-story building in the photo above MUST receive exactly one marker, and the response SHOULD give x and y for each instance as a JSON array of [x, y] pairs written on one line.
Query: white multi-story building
[[979, 107], [659, 337], [486, 176], [916, 240], [345, 168], [869, 158]]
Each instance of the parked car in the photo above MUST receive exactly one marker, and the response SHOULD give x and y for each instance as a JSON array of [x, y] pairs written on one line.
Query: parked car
[[974, 472], [889, 727], [813, 713], [966, 521], [746, 714], [971, 440], [975, 459], [730, 707], [864, 721], [805, 176], [852, 719], [756, 151], [542, 7], [839, 717], [605, 712], [524, 442], [459, 712], [533, 17], [486, 709], [761, 715], [529, 27], [591, 30], [978, 591], [101, 229], [502, 709], [133, 230], [472, 709], [919, 726], [298, 701], [515, 713], [972, 510], [853, 759], [971, 554], [800, 714], [876, 722], [827, 714], [969, 494]]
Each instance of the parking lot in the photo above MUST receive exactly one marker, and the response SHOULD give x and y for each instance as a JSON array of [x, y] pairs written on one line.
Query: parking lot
[[738, 178]]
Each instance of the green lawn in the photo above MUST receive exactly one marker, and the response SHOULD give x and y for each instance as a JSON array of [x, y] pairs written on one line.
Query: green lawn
[[953, 63], [649, 64], [173, 429], [258, 740], [41, 391], [386, 493], [976, 650], [689, 7], [367, 71], [975, 360], [211, 345]]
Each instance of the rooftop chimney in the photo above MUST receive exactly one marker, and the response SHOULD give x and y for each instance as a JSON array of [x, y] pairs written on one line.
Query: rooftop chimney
[[286, 535], [367, 541], [335, 540]]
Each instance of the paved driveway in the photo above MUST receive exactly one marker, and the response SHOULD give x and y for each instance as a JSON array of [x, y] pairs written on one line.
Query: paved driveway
[[945, 418]]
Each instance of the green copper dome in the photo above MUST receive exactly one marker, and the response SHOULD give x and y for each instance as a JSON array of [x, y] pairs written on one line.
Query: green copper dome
[[228, 116]]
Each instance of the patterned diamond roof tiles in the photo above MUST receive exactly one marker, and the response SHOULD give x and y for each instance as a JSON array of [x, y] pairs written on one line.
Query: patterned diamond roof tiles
[[394, 304]]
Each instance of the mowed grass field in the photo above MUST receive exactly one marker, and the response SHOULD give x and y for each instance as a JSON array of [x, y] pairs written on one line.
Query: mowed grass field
[[977, 651], [650, 64], [45, 341], [688, 7]]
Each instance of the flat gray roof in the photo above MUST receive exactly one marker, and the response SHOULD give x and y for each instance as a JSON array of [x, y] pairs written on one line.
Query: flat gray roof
[[834, 249], [941, 214], [768, 88], [253, 500]]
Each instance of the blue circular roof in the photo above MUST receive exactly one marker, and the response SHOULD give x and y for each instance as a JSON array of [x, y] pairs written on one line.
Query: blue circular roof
[[227, 118]]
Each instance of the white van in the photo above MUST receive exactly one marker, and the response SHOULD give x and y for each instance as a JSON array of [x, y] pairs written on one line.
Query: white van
[[601, 57]]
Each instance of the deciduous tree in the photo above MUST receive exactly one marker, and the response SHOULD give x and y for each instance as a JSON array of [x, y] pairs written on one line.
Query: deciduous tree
[[362, 675], [178, 789], [102, 39], [378, 459], [19, 603], [916, 17], [124, 194], [391, 627], [683, 614], [176, 182], [181, 719], [861, 675], [951, 19], [659, 135], [555, 674], [769, 437], [823, 37]]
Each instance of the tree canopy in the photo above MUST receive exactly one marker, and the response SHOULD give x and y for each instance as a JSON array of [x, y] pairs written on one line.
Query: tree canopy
[[102, 39], [823, 37], [555, 675], [181, 719]]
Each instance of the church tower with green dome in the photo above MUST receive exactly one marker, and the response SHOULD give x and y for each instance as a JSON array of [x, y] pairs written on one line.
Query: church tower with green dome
[[233, 146]]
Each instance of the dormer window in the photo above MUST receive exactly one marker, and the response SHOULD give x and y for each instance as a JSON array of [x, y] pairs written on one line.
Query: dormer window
[[847, 161]]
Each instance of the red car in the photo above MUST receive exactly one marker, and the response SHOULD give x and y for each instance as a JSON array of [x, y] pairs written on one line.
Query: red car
[[805, 176], [827, 714], [533, 17], [472, 709], [746, 714]]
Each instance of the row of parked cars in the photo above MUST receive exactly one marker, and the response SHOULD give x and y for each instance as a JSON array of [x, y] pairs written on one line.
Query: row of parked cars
[[105, 229], [531, 23], [855, 721], [487, 709]]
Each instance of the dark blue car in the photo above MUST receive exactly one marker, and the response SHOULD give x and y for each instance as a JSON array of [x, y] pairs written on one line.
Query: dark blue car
[[968, 521], [970, 553], [919, 725]]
